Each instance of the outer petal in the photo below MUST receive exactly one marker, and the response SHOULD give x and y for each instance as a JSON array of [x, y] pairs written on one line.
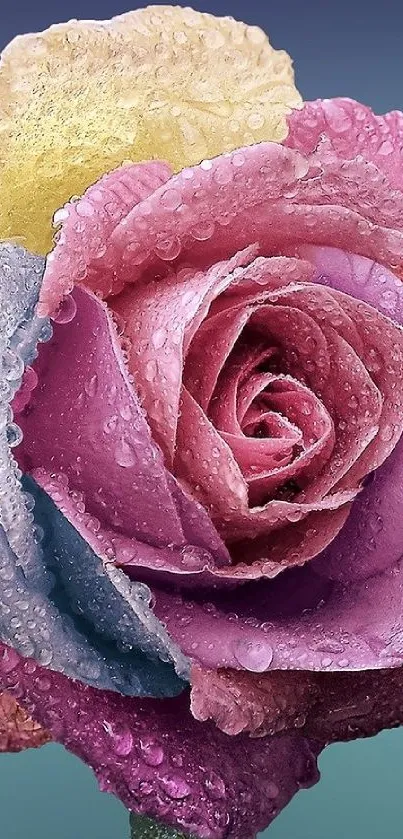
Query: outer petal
[[229, 203], [40, 623], [372, 539], [17, 730], [161, 762], [84, 419], [226, 87], [20, 331], [88, 222], [324, 706], [300, 621], [348, 129]]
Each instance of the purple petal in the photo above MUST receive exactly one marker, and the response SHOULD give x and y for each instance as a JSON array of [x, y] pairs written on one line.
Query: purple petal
[[159, 761]]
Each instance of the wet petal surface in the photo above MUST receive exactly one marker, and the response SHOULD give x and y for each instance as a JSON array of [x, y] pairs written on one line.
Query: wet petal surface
[[161, 762]]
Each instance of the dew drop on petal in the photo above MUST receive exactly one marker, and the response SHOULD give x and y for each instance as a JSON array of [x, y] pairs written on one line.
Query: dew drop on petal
[[152, 753], [255, 656], [124, 454], [176, 788], [66, 311]]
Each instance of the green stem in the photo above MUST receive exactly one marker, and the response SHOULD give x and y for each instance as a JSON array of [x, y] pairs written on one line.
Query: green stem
[[145, 828]]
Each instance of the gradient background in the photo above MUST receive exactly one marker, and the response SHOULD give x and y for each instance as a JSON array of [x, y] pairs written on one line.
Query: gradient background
[[348, 47]]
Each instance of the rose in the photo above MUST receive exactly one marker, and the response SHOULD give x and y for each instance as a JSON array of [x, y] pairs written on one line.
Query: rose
[[234, 324]]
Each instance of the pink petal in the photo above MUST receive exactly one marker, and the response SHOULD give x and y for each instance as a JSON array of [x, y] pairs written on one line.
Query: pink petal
[[90, 427], [358, 277], [222, 489], [87, 225], [303, 413], [250, 186], [209, 351], [299, 621], [261, 278], [348, 129], [159, 319], [264, 193]]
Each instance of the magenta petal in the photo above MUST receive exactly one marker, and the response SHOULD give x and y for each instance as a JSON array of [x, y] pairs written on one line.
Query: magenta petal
[[358, 277], [159, 761], [90, 427], [372, 539], [84, 420]]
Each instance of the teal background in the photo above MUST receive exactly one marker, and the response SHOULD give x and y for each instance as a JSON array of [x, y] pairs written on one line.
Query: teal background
[[348, 47]]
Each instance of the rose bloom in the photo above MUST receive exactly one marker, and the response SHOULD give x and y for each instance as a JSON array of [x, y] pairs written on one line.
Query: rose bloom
[[208, 471]]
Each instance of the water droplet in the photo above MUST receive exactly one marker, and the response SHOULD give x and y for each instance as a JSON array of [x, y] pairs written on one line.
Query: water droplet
[[272, 790], [238, 159], [91, 386], [122, 743], [168, 249], [203, 230], [152, 753], [124, 454], [46, 332], [60, 216], [159, 337], [14, 435], [175, 787], [84, 209], [110, 424], [171, 199], [215, 785], [255, 656], [150, 370], [13, 365], [194, 558], [9, 660], [125, 412], [45, 657], [386, 433], [66, 311]]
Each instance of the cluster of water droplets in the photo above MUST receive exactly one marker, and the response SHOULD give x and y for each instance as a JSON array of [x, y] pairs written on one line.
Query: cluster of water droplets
[[20, 331]]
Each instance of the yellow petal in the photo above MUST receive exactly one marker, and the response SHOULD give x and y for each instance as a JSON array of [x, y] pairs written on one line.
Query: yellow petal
[[161, 82]]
